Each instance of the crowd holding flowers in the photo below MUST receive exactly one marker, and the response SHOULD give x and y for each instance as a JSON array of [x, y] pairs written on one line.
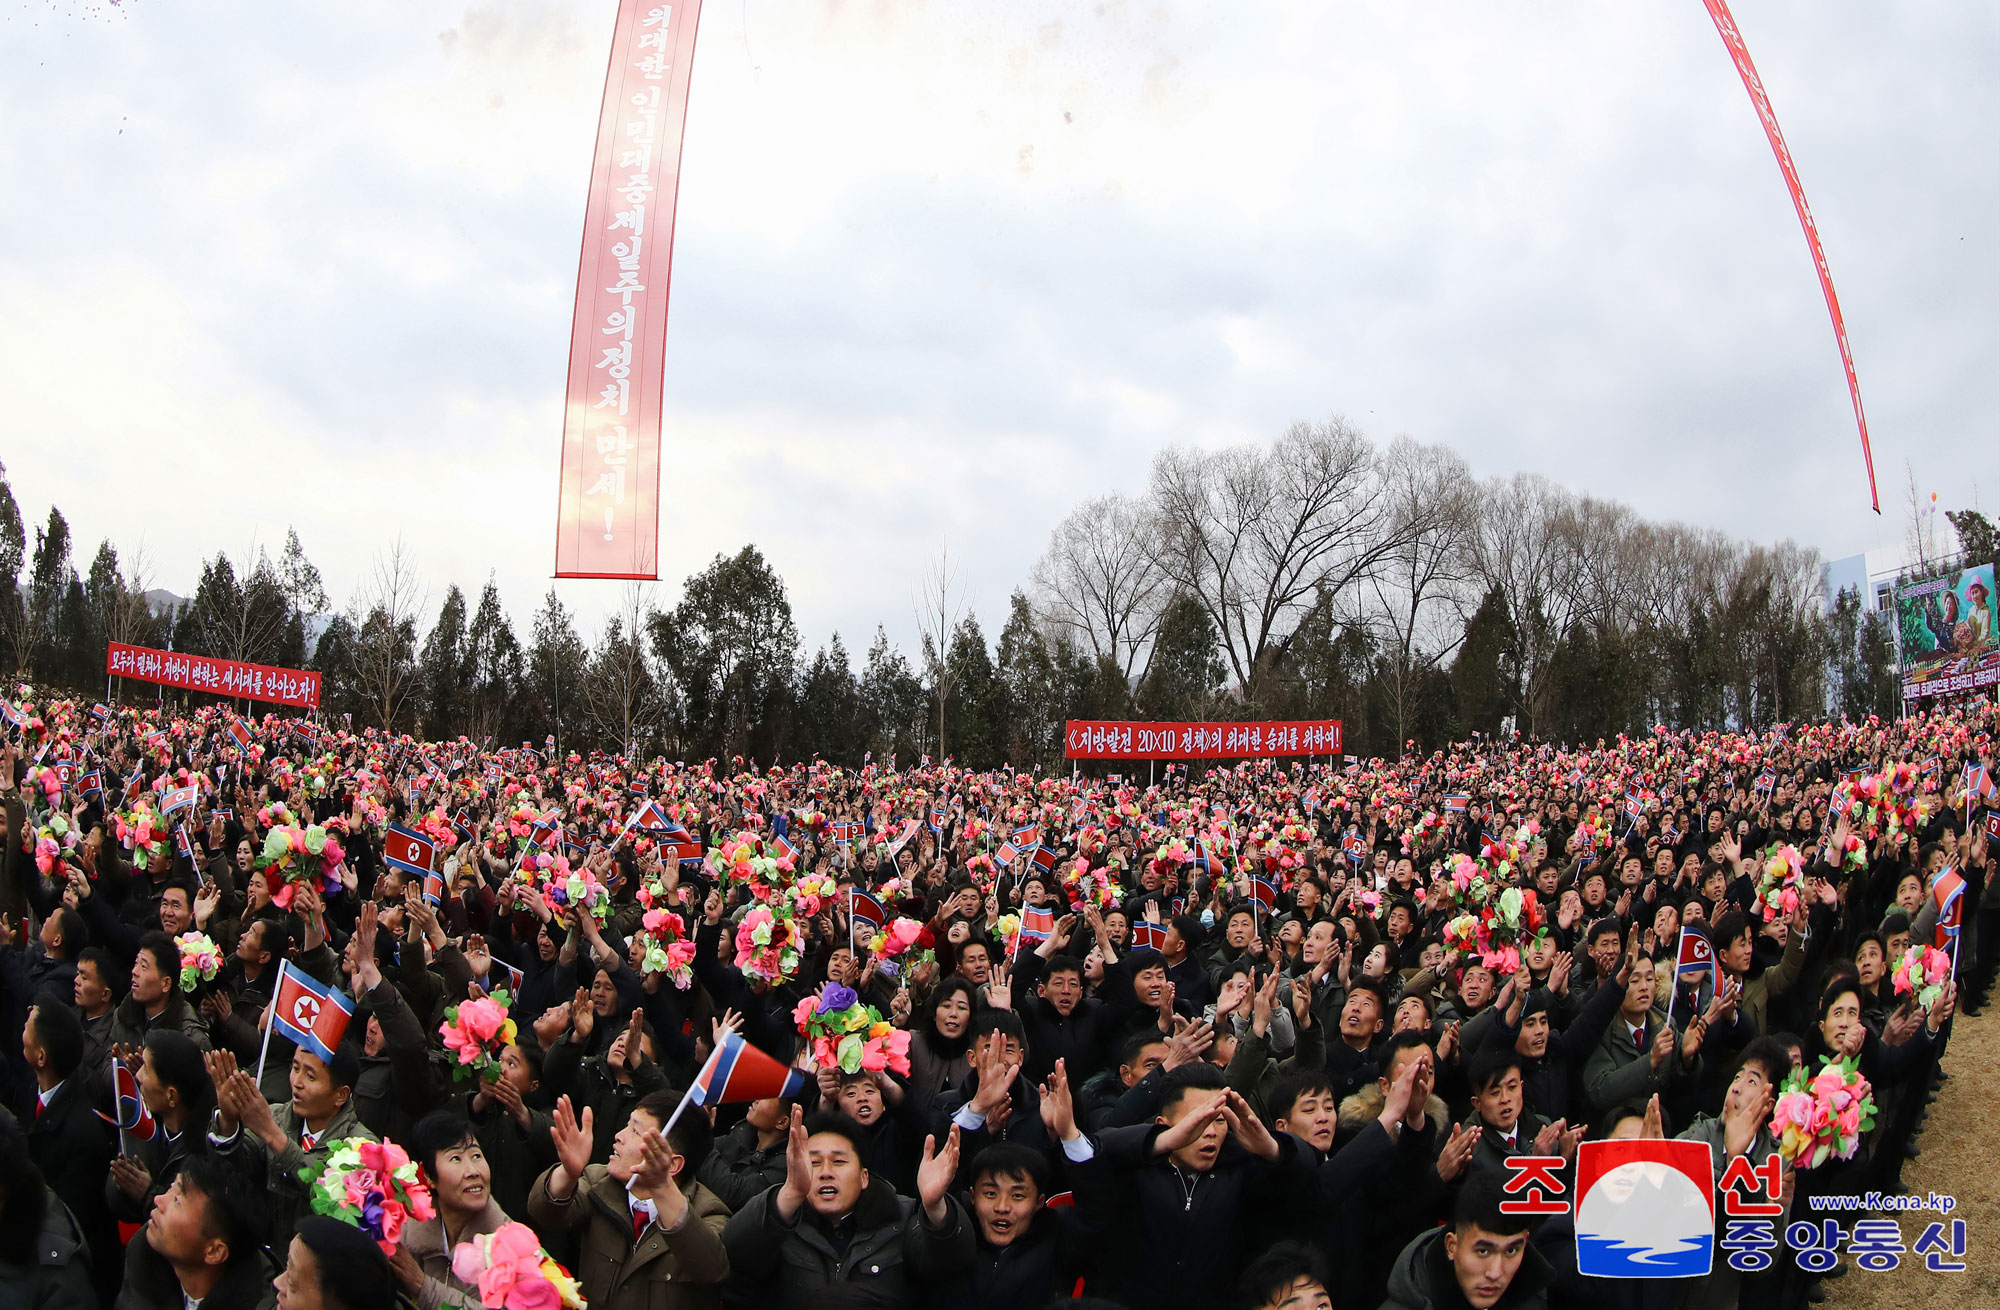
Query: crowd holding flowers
[[1272, 1025]]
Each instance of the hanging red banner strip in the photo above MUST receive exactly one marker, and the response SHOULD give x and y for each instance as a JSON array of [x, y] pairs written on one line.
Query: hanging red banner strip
[[1104, 739], [217, 677], [608, 511], [1725, 24]]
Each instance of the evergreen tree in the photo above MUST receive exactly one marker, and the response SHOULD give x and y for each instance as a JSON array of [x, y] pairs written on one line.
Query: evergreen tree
[[444, 672]]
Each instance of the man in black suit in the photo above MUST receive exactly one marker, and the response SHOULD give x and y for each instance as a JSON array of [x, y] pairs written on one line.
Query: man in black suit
[[66, 1140]]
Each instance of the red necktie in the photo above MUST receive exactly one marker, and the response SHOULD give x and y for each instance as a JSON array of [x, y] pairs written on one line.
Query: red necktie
[[638, 1224], [1639, 1038]]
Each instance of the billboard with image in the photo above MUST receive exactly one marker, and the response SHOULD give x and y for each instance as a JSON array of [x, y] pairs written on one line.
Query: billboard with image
[[1948, 629]]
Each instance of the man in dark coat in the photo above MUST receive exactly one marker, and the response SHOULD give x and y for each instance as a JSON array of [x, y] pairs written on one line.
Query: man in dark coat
[[830, 1222], [66, 1140]]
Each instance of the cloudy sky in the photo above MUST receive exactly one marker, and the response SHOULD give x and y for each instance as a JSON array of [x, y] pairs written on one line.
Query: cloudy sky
[[945, 268]]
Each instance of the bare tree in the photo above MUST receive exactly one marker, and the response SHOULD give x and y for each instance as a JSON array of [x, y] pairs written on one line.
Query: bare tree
[[940, 603], [1420, 584], [1258, 536], [384, 616], [1523, 548], [1100, 582], [1926, 552], [620, 690]]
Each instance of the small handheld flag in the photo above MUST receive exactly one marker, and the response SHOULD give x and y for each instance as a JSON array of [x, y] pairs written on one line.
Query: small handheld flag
[[180, 798], [131, 1116], [738, 1071], [863, 908], [411, 852], [1263, 891], [1037, 922], [308, 1012], [1147, 935]]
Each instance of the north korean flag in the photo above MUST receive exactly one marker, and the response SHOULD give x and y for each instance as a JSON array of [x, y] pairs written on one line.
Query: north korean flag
[[412, 852], [652, 820], [180, 798], [1147, 935], [91, 785], [738, 1071], [240, 732], [1263, 891], [1037, 922], [1697, 955], [1045, 858], [131, 1116], [1948, 893], [310, 1013], [863, 908]]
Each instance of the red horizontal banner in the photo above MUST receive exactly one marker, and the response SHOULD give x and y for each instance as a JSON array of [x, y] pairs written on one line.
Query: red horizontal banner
[[293, 687], [1090, 739]]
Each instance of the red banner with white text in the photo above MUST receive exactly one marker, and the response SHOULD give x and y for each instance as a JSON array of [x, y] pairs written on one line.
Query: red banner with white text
[[294, 687], [1091, 739], [608, 510], [1725, 25]]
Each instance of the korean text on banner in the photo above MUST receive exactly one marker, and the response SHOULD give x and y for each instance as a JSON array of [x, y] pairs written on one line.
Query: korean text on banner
[[262, 682], [608, 511], [1086, 739]]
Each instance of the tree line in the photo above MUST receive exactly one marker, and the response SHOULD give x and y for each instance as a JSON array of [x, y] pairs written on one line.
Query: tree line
[[1321, 575]]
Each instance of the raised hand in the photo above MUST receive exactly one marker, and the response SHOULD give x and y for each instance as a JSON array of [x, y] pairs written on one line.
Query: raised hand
[[1248, 1129], [582, 1018], [798, 1168], [573, 1142], [1191, 1126], [1457, 1152], [934, 1176], [1058, 1111]]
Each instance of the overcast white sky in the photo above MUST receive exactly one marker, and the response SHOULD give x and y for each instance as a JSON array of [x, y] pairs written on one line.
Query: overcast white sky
[[944, 268]]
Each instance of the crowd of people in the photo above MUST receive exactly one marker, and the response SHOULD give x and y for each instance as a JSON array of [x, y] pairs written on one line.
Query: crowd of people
[[1263, 1033]]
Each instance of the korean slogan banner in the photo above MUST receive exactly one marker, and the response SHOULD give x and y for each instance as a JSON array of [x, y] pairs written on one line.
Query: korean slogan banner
[[1946, 628], [293, 687], [1088, 739], [608, 510]]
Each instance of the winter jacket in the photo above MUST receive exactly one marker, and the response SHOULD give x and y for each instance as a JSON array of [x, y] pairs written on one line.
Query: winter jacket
[[891, 1249], [59, 1278], [1423, 1279], [150, 1283], [681, 1270], [289, 1194], [425, 1241]]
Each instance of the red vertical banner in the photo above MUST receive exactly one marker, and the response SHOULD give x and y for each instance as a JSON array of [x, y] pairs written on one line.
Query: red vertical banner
[[1725, 25], [608, 512]]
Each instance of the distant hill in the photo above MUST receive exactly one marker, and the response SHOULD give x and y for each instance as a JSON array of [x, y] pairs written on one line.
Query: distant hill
[[160, 602]]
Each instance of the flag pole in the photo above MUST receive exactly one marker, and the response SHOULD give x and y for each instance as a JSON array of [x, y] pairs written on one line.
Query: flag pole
[[270, 1018], [675, 1117]]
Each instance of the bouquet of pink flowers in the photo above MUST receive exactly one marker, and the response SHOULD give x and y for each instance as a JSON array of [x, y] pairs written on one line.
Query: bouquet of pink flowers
[[1923, 970], [299, 855], [477, 1031], [1824, 1115], [513, 1272], [844, 1034], [373, 1186], [568, 889], [1779, 878], [767, 947], [812, 891], [668, 949], [201, 959]]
